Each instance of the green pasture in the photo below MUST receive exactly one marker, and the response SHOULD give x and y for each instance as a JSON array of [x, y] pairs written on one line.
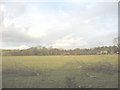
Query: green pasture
[[83, 71]]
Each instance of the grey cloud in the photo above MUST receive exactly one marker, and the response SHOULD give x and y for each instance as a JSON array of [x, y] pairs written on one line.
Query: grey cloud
[[15, 36], [96, 24], [1, 17], [16, 9]]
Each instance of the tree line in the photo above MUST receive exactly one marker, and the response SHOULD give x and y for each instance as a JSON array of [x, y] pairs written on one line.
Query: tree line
[[43, 51]]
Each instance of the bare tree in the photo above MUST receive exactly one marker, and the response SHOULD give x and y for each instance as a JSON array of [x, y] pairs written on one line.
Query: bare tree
[[116, 42]]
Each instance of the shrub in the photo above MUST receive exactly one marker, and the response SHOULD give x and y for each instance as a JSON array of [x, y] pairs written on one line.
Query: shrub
[[104, 67], [71, 82]]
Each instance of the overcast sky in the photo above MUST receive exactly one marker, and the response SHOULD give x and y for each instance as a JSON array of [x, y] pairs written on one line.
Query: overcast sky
[[66, 25]]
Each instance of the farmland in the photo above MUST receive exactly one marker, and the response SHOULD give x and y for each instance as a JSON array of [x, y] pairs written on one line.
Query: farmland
[[82, 71]]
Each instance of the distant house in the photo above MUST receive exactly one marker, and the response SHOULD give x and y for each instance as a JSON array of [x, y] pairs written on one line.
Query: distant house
[[117, 52], [104, 52]]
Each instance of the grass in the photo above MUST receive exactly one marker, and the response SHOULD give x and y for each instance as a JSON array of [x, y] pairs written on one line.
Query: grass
[[88, 71]]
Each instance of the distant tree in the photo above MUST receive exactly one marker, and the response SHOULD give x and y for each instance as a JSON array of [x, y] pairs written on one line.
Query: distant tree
[[116, 42], [40, 51]]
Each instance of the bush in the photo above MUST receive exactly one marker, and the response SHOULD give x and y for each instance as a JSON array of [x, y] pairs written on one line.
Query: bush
[[71, 82], [104, 67]]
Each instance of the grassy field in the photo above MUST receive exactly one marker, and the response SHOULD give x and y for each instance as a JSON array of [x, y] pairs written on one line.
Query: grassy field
[[85, 71]]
